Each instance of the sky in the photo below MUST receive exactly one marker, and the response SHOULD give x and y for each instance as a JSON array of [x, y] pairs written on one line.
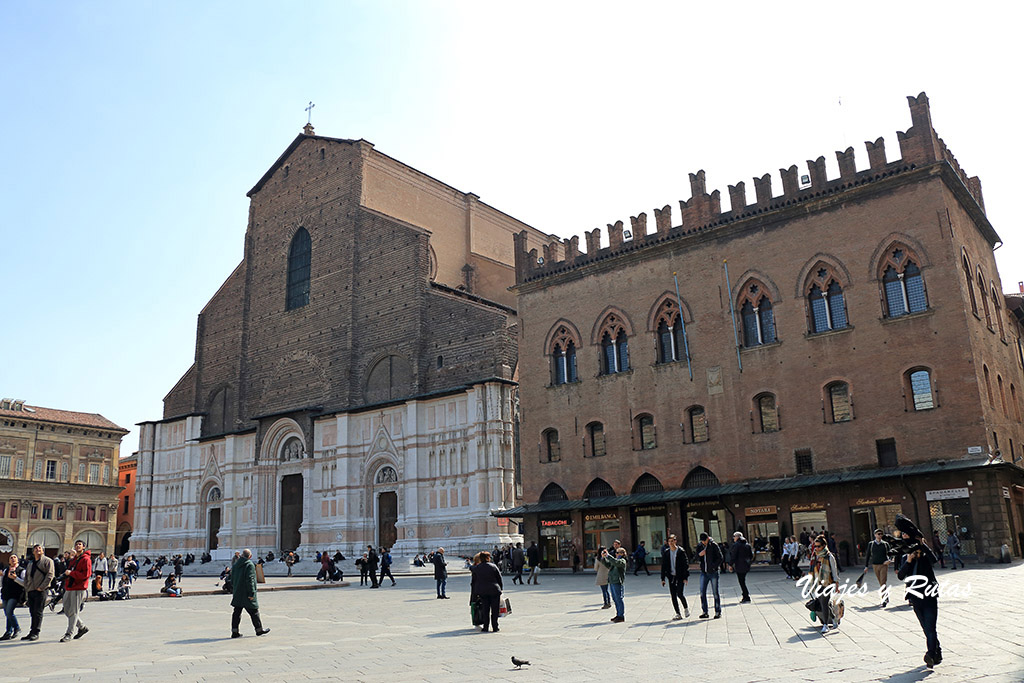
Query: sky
[[130, 133]]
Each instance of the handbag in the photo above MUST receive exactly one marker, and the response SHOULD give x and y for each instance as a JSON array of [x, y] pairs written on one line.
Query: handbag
[[505, 608], [476, 612]]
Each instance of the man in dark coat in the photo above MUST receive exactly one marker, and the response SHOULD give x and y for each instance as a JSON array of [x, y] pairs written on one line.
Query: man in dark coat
[[675, 568], [518, 560], [710, 563], [372, 560], [486, 588], [740, 557], [243, 594], [440, 572], [533, 555]]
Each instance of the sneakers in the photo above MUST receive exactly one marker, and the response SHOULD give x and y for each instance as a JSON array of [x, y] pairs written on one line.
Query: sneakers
[[718, 615], [81, 632], [677, 617], [608, 606], [703, 616], [65, 638], [824, 630], [31, 636], [686, 611]]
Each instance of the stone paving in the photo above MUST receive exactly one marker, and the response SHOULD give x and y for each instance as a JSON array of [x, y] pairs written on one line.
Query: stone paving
[[404, 633]]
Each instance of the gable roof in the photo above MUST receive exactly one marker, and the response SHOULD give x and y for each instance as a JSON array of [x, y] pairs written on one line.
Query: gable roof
[[285, 154]]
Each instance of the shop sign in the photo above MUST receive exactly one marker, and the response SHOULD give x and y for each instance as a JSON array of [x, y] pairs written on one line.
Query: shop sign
[[502, 521], [877, 500], [763, 510], [806, 507], [555, 522], [704, 504], [1006, 492], [947, 494], [650, 508], [600, 516]]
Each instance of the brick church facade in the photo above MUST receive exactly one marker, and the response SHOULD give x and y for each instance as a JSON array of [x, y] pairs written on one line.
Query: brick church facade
[[832, 355], [354, 377]]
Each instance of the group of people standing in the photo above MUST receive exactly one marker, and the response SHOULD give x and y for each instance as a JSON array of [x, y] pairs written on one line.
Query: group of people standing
[[30, 584]]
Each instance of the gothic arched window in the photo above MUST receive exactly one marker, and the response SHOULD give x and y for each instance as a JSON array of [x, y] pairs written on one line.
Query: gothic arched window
[[614, 346], [757, 314], [299, 256], [563, 356], [826, 301], [902, 283]]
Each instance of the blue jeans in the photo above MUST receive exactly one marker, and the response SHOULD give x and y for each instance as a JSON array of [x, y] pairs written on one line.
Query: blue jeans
[[954, 556], [12, 621], [607, 597], [616, 589], [705, 579], [927, 611], [441, 583]]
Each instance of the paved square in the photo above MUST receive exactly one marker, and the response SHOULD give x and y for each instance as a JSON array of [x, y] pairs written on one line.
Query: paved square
[[403, 633]]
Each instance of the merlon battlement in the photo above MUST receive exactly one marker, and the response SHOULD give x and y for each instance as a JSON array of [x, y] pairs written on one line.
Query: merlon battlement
[[919, 146]]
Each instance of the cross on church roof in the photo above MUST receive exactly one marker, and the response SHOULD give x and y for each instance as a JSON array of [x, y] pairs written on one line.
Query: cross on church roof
[[309, 110]]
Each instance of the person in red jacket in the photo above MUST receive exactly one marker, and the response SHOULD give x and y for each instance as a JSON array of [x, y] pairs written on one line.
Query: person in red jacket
[[76, 588]]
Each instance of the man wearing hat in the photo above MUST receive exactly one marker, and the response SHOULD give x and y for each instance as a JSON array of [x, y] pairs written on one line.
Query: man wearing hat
[[741, 556]]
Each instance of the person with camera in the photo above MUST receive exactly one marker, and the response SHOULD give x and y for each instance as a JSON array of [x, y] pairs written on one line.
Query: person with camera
[[826, 576], [616, 577], [710, 564], [918, 566]]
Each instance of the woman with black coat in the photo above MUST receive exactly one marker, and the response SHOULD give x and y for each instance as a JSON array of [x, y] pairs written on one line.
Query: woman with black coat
[[486, 587], [12, 593]]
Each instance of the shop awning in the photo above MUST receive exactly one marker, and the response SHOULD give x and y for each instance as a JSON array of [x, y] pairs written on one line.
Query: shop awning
[[753, 486]]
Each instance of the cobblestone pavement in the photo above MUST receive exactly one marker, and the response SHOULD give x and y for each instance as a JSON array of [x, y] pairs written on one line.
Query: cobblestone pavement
[[404, 633]]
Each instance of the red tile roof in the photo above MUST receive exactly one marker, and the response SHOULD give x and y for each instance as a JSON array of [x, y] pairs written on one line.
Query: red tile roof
[[68, 417]]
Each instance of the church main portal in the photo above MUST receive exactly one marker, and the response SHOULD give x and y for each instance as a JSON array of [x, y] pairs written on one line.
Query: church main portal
[[291, 511]]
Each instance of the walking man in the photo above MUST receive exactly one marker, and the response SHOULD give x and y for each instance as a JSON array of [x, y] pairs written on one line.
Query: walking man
[[710, 562], [440, 572], [640, 559], [76, 588], [675, 568], [878, 559], [616, 576], [385, 566], [518, 560], [740, 557], [533, 555], [372, 560], [953, 549], [37, 580], [243, 594]]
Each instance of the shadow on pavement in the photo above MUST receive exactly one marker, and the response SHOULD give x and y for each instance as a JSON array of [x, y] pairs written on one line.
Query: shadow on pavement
[[457, 632], [196, 641], [916, 674]]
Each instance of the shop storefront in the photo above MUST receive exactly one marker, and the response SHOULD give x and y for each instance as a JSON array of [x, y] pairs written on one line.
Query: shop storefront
[[705, 516], [762, 532], [556, 542], [649, 526], [809, 519], [950, 512], [868, 514], [600, 528]]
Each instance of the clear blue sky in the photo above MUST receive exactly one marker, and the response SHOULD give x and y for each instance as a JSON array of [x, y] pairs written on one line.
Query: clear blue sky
[[131, 132]]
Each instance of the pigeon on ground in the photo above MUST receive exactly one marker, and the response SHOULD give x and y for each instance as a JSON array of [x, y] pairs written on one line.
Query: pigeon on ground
[[519, 662]]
